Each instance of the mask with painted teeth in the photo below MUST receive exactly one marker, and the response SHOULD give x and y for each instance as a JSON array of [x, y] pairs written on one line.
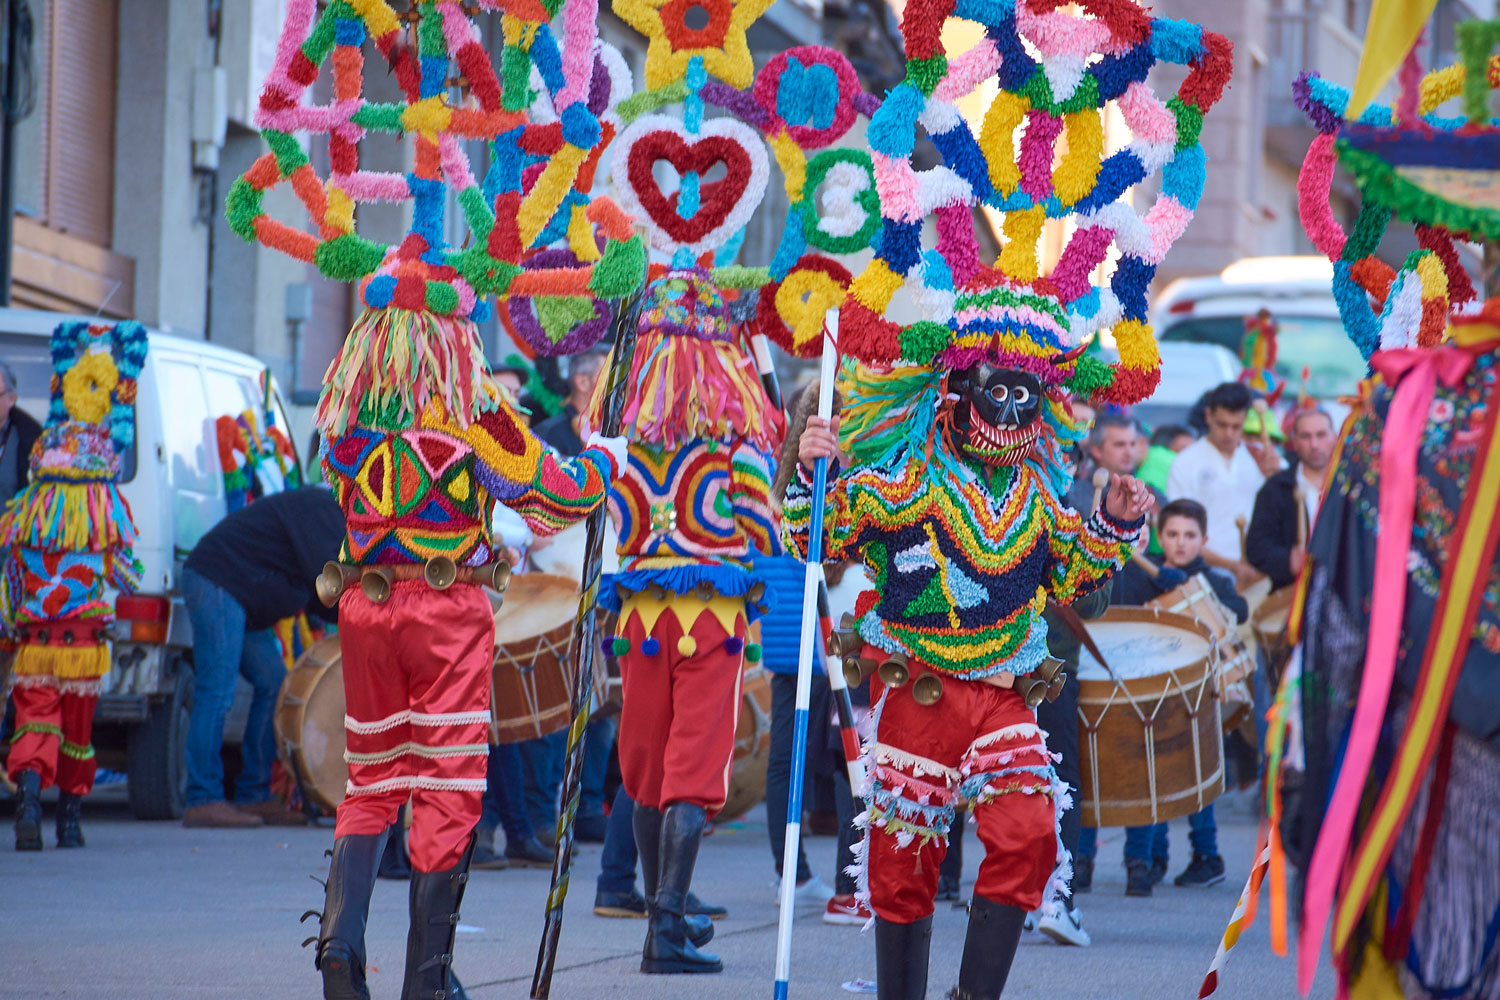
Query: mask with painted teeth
[[996, 414]]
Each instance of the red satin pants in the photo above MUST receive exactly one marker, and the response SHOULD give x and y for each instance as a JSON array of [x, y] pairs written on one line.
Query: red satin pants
[[680, 708], [417, 693], [54, 732], [980, 742]]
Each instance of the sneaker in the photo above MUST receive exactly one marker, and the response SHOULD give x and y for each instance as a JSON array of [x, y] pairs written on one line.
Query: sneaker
[[529, 854], [852, 914], [1205, 870], [219, 816], [620, 904], [1083, 873], [1065, 926], [1137, 877], [1158, 870], [813, 892], [695, 907], [947, 888], [1029, 923], [273, 812]]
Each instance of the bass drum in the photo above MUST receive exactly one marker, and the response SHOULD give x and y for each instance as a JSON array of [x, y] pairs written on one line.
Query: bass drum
[[752, 746], [309, 724]]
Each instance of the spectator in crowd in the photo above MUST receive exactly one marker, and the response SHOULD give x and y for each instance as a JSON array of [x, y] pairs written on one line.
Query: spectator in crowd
[[542, 759], [1219, 472], [1184, 534], [1113, 446], [1165, 443], [18, 432], [1271, 544], [252, 569]]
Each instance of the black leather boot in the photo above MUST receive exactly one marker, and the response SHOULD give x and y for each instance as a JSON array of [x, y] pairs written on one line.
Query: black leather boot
[[341, 935], [28, 811], [395, 863], [668, 949], [435, 898], [647, 826], [69, 810], [901, 952], [994, 933]]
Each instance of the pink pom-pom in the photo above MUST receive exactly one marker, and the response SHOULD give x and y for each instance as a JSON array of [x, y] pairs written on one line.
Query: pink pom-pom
[[1314, 184]]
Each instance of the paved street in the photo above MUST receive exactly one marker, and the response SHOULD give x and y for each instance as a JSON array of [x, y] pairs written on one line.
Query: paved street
[[151, 910]]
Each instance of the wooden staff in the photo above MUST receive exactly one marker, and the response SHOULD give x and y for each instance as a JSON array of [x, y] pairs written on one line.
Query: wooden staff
[[1263, 410], [581, 649], [1301, 496]]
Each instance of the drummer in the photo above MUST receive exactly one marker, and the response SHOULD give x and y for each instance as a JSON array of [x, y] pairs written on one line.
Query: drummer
[[1184, 534]]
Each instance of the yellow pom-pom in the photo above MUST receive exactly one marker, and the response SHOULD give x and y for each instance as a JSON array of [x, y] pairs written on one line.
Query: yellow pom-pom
[[793, 163], [1079, 168], [687, 645], [1022, 231], [875, 286], [1136, 345], [997, 139]]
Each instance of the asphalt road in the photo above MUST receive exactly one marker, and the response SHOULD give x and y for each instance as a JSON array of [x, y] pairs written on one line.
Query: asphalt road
[[152, 910]]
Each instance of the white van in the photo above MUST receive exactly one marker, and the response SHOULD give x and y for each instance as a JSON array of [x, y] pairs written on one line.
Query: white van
[[1298, 291], [175, 486]]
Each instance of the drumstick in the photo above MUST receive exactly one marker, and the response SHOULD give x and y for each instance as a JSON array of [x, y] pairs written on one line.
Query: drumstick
[[1151, 569], [1262, 409], [1241, 523], [1101, 481]]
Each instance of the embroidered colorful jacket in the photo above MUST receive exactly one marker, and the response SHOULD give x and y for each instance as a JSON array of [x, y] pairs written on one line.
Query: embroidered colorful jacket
[[962, 569], [425, 490], [692, 515]]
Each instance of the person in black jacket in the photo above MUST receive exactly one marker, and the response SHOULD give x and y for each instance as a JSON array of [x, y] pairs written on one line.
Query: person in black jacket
[[18, 432], [1271, 541], [254, 568]]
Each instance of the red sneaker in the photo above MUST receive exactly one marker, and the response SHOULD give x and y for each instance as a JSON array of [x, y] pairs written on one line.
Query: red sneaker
[[853, 913]]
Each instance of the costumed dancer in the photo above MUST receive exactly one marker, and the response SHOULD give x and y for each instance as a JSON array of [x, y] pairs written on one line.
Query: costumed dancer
[[952, 424], [1388, 715], [691, 507], [66, 537], [419, 438]]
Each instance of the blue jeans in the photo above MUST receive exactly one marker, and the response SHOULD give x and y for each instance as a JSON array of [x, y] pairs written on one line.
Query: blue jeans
[[1146, 843], [503, 805], [542, 763], [598, 741], [222, 650], [1088, 842], [617, 865], [1203, 833]]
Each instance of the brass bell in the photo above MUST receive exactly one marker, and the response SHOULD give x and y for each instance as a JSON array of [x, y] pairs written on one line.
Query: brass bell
[[704, 592], [330, 583], [894, 671], [927, 690], [1055, 688], [376, 584], [756, 592], [846, 621], [440, 572], [1031, 690], [856, 669], [501, 577]]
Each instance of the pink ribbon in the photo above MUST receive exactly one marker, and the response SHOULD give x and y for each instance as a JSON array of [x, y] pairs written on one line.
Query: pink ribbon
[[1415, 373]]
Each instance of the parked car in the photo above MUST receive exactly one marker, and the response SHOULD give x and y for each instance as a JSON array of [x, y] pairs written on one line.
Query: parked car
[[174, 483], [1187, 371], [1298, 293]]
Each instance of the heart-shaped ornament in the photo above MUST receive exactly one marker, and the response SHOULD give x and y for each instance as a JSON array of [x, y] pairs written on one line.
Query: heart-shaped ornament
[[700, 215]]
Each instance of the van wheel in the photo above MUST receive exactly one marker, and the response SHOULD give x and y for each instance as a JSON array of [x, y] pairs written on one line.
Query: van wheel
[[157, 753]]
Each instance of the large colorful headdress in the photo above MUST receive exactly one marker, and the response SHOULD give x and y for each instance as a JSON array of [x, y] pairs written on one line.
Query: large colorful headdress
[[72, 502], [1057, 73], [450, 95], [1440, 173], [1258, 355]]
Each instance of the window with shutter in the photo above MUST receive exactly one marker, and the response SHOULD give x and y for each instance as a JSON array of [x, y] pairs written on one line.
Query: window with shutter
[[80, 149]]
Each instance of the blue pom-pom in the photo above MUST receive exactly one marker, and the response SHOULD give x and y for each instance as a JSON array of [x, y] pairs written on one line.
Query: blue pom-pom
[[579, 126], [1354, 309], [548, 60], [823, 95], [1115, 73], [792, 245], [434, 75], [1174, 41], [1016, 64], [734, 645], [792, 105], [1085, 305], [651, 646], [901, 244], [963, 156], [379, 290], [696, 75], [1118, 173], [1183, 178], [893, 130], [937, 274], [348, 31], [1132, 277], [481, 312]]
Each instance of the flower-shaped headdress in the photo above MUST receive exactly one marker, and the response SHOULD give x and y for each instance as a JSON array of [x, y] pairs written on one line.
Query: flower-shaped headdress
[[1057, 73], [1440, 173]]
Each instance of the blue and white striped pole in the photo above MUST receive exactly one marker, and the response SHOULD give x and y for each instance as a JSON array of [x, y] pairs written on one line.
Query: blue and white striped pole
[[812, 583]]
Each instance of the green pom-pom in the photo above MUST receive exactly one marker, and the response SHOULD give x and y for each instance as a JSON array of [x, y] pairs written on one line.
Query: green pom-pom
[[926, 74], [921, 341], [559, 315], [1368, 229], [1090, 376], [441, 298], [348, 257], [321, 41], [515, 78], [379, 117], [621, 270], [1189, 123], [289, 155], [242, 207], [1085, 96], [752, 652], [741, 276], [620, 645]]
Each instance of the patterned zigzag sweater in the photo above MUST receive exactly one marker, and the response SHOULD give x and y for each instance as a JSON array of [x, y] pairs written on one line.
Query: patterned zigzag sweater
[[691, 515], [962, 569], [410, 493]]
